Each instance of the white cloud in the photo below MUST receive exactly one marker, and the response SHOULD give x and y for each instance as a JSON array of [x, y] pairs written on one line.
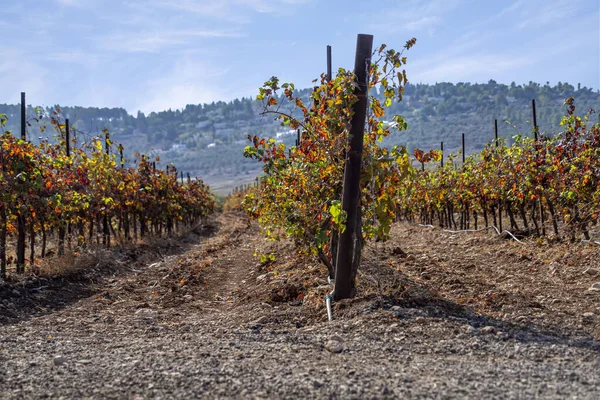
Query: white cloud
[[76, 57], [421, 23], [72, 3], [538, 13], [19, 74], [413, 16], [468, 58], [189, 82], [271, 6], [234, 11], [468, 68], [209, 10], [547, 12], [158, 39]]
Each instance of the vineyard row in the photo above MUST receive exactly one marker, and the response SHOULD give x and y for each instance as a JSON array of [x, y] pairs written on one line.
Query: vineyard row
[[544, 187], [84, 195]]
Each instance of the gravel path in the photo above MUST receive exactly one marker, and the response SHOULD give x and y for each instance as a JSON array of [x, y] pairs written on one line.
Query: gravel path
[[221, 344]]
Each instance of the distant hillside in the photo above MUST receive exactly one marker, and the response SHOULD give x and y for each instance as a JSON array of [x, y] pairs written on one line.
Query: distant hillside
[[442, 112], [207, 139]]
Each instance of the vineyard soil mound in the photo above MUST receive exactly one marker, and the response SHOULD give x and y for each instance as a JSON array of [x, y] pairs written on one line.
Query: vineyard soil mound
[[60, 281], [439, 315]]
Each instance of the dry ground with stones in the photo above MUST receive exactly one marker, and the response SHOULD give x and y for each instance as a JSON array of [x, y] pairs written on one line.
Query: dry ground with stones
[[438, 315]]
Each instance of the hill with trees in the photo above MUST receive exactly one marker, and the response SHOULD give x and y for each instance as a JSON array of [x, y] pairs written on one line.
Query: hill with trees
[[208, 139]]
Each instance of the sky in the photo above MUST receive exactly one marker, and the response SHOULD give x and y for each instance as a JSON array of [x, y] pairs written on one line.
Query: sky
[[152, 55]]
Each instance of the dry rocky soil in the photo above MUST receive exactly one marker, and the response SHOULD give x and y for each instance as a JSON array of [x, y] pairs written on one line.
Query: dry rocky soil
[[438, 315]]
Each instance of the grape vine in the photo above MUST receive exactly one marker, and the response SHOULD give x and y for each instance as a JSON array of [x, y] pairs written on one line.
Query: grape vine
[[86, 195], [299, 195]]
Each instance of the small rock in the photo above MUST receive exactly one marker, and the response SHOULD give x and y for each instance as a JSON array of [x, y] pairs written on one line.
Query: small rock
[[220, 331], [400, 315], [188, 297], [420, 320], [337, 338], [588, 315], [16, 293], [471, 329], [145, 312], [260, 321], [595, 287], [333, 346], [397, 251], [59, 360], [488, 330], [395, 308]]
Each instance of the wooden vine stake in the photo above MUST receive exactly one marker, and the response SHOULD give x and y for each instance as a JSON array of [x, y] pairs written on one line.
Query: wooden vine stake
[[463, 148], [23, 117], [347, 257], [335, 236], [329, 63], [106, 219], [21, 217], [535, 136], [67, 137], [3, 228], [496, 132], [534, 120]]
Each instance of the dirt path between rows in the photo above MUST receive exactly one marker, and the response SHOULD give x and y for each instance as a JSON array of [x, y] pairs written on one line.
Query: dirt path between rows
[[456, 316]]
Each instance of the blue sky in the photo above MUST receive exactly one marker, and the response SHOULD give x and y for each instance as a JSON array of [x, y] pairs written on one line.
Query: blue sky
[[152, 55]]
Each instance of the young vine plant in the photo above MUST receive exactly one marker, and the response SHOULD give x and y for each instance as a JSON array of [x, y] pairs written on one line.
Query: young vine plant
[[299, 195]]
